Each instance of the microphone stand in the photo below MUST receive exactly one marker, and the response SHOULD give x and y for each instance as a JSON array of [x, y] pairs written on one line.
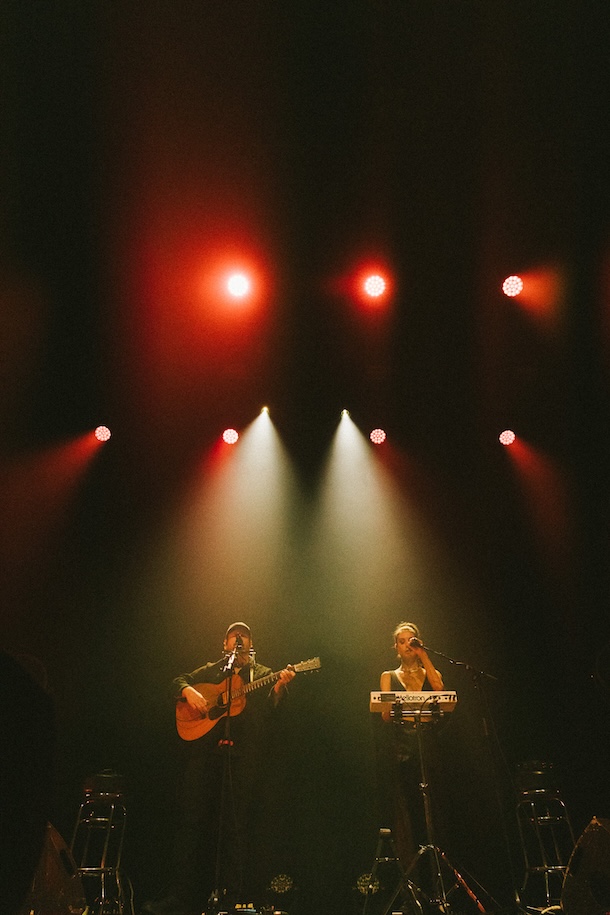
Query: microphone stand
[[439, 654], [479, 678], [225, 744]]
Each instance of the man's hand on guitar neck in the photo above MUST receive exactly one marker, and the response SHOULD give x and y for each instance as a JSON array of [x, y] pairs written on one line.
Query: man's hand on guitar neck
[[195, 699], [285, 677]]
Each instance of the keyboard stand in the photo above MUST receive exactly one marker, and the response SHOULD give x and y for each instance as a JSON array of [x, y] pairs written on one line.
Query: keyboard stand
[[440, 891]]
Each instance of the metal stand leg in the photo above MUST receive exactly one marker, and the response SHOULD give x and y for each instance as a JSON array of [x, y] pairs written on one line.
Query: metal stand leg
[[442, 899], [386, 854]]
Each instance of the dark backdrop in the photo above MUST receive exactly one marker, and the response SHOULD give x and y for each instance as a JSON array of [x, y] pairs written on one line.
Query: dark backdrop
[[463, 141]]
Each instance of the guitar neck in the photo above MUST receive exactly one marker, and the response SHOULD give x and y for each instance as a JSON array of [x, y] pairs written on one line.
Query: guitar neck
[[256, 684], [312, 664]]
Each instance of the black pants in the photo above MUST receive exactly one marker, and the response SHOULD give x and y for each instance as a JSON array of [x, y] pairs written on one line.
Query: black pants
[[212, 845]]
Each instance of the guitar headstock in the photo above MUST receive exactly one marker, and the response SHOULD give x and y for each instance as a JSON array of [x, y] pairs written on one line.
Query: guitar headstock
[[311, 664]]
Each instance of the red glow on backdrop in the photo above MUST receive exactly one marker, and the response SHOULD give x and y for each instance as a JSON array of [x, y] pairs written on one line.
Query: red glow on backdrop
[[545, 490], [542, 294], [377, 436], [230, 436], [183, 329], [507, 437], [538, 292], [229, 281], [213, 457], [36, 493]]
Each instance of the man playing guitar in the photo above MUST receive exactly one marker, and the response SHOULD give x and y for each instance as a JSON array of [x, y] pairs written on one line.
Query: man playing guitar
[[223, 731], [204, 699]]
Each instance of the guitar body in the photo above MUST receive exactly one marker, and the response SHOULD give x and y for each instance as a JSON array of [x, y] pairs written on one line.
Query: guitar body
[[191, 724]]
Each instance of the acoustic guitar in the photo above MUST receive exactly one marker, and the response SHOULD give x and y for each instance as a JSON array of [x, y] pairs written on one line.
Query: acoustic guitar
[[192, 724]]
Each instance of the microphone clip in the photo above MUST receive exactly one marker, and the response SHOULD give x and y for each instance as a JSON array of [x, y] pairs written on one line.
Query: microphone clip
[[230, 662]]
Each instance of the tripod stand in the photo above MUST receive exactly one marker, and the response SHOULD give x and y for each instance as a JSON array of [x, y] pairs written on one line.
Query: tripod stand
[[440, 891], [386, 854]]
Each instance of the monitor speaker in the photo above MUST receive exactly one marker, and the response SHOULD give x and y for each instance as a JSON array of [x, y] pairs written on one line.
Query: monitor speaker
[[586, 885]]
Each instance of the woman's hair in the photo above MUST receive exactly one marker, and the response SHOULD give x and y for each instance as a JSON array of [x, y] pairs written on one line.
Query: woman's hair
[[414, 629]]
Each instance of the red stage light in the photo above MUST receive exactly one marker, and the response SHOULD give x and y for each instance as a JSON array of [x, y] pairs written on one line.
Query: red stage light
[[377, 436], [230, 436], [238, 285], [370, 284], [512, 286], [102, 433], [507, 437], [374, 285]]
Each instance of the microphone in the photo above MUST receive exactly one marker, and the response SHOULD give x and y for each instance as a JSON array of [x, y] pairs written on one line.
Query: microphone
[[239, 643], [416, 643]]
